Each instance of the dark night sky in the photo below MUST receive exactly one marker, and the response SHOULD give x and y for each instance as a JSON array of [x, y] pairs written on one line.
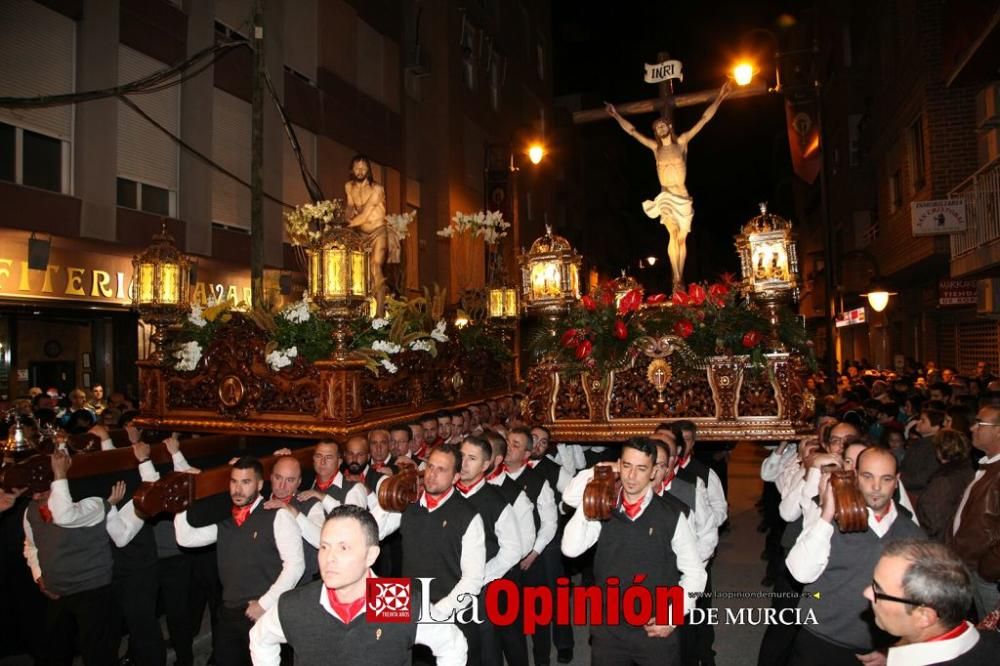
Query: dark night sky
[[737, 160]]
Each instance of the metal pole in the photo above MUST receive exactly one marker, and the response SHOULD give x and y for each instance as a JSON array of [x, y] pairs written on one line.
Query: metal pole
[[257, 161], [830, 258]]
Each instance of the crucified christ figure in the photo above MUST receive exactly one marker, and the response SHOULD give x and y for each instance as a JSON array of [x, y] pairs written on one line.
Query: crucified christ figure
[[673, 205]]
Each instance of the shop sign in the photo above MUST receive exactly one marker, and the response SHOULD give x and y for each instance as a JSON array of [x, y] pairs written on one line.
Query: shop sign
[[850, 317], [957, 292], [936, 217]]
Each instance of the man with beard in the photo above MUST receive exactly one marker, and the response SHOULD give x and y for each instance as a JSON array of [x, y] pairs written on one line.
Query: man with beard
[[330, 487], [503, 544], [432, 433], [835, 567], [443, 539], [325, 622], [259, 556], [366, 214], [356, 457], [647, 541], [544, 460]]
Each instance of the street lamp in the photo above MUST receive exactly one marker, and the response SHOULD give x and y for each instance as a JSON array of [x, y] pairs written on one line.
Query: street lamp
[[878, 295], [536, 152], [160, 287], [743, 73]]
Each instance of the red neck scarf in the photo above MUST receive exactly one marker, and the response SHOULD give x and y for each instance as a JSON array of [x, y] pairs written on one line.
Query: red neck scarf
[[465, 490], [286, 500], [356, 478], [322, 486], [878, 518], [948, 635], [501, 468], [667, 479], [432, 502], [241, 513], [346, 613], [43, 508], [632, 510], [531, 463], [682, 463], [420, 453]]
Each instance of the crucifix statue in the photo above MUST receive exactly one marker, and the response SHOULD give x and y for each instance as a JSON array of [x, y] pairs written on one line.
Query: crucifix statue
[[673, 205]]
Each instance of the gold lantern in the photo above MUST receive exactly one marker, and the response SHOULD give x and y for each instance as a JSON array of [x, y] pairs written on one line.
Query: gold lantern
[[502, 303], [339, 280], [160, 284], [770, 265], [623, 285], [550, 275]]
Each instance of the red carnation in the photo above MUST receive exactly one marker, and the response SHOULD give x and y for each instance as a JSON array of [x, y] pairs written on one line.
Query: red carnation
[[752, 338], [680, 298], [607, 295], [569, 338], [656, 299], [684, 328], [697, 294], [583, 350], [728, 279], [630, 302], [717, 293], [621, 330], [588, 302]]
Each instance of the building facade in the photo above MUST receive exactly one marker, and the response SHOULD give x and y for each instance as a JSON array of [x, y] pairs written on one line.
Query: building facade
[[421, 88]]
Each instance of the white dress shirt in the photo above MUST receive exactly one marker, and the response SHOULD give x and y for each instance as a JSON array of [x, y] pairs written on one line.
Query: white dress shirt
[[790, 471], [472, 563], [933, 652], [702, 521], [85, 513], [581, 533], [444, 639], [716, 496], [524, 516], [507, 537], [548, 517], [772, 465], [287, 539], [809, 556]]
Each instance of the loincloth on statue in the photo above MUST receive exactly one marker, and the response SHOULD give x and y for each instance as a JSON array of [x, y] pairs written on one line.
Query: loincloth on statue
[[669, 206]]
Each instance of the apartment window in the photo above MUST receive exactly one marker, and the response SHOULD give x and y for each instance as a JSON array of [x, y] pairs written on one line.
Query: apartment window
[[145, 197], [916, 146], [895, 192], [467, 45], [33, 159], [540, 57], [498, 71]]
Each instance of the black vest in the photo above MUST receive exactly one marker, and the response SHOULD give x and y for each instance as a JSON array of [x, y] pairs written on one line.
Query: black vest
[[248, 557], [643, 546], [338, 493], [319, 638], [138, 556], [550, 469], [695, 469], [532, 483], [309, 553], [432, 542], [489, 503], [686, 492], [72, 559]]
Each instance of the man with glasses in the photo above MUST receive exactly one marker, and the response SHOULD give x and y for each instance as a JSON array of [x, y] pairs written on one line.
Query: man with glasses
[[975, 533], [835, 567], [920, 592]]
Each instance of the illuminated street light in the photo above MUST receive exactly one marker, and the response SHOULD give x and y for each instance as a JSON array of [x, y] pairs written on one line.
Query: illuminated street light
[[743, 73], [536, 152], [651, 261]]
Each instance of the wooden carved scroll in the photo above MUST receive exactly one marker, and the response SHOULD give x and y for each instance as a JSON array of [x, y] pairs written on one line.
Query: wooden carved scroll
[[400, 490], [600, 497], [34, 473], [851, 511]]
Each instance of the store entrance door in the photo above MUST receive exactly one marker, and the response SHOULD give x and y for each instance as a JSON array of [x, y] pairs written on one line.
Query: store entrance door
[[46, 374]]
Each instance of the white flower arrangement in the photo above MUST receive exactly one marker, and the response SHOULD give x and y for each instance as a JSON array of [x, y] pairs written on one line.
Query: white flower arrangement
[[438, 332], [188, 356], [390, 367], [378, 323], [298, 312], [195, 316], [281, 358], [399, 223], [386, 346], [311, 223], [488, 225], [424, 345]]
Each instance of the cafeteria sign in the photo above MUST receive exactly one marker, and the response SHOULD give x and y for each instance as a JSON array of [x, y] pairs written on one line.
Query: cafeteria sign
[[937, 217], [850, 317], [957, 292]]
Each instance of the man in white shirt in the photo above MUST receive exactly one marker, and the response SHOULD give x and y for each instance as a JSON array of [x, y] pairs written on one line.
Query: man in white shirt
[[647, 541], [325, 623], [920, 592], [259, 556]]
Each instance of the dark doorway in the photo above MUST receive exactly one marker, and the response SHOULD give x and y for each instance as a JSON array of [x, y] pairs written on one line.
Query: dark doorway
[[46, 374]]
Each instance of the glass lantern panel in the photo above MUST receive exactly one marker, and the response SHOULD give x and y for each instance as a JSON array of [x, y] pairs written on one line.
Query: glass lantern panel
[[168, 283], [510, 302], [496, 302], [315, 276], [334, 279], [146, 275], [358, 273], [545, 281], [574, 280]]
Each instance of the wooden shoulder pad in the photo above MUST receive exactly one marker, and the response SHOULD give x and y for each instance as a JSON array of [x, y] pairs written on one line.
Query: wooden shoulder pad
[[600, 497], [171, 494], [400, 490], [34, 473], [851, 511]]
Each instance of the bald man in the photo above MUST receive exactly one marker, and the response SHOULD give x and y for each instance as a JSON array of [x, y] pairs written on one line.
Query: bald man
[[286, 475]]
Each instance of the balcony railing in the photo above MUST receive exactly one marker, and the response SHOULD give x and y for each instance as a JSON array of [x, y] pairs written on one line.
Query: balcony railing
[[981, 193]]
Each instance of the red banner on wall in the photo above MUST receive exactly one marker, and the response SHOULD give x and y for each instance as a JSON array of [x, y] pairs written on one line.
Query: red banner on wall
[[804, 139]]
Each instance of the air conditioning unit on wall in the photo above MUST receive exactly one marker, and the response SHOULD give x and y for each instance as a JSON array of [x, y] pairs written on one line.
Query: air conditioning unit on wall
[[988, 146], [988, 298]]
